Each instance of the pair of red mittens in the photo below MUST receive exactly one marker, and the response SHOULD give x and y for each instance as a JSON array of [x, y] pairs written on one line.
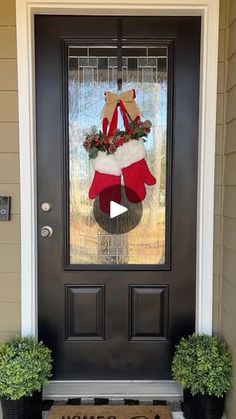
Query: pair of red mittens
[[128, 161]]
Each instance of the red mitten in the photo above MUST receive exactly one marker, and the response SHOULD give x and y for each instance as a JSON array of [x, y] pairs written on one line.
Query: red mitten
[[131, 158], [106, 182]]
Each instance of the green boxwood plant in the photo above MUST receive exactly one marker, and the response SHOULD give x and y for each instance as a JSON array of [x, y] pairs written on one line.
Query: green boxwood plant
[[25, 367], [203, 365]]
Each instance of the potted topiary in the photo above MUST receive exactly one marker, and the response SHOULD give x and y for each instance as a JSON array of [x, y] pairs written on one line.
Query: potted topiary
[[203, 366], [25, 367]]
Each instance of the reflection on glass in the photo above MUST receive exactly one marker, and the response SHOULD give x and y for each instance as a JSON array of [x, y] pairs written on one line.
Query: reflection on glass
[[92, 71]]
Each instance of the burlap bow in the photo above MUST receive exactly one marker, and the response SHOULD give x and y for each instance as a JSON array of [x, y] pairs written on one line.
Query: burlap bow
[[128, 100]]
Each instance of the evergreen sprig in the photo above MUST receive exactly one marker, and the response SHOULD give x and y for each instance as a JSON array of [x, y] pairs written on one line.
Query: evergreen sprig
[[96, 141]]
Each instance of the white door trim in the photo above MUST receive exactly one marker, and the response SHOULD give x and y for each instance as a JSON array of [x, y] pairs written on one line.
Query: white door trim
[[209, 10]]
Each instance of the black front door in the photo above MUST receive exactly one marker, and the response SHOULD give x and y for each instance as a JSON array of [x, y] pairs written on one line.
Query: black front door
[[112, 306]]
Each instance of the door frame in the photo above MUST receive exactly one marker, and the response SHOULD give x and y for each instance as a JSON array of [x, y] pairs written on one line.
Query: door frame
[[209, 11]]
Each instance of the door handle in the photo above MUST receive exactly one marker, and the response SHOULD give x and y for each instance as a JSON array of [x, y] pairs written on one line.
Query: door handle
[[46, 232]]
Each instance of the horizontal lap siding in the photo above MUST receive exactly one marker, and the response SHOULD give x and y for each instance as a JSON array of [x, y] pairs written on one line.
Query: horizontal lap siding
[[9, 175], [228, 287], [220, 132]]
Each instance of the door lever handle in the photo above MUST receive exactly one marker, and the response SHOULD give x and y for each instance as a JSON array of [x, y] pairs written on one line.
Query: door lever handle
[[46, 232]]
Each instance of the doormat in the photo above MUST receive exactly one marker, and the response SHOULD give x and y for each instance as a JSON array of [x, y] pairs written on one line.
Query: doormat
[[110, 412]]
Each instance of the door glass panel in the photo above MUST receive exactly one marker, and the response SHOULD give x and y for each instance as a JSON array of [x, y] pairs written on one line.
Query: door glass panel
[[91, 72]]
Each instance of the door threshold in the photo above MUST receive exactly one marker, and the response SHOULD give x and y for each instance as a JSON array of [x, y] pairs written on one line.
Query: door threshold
[[146, 389]]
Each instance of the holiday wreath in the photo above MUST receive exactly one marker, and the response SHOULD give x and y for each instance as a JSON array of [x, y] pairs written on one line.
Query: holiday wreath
[[96, 141], [117, 153]]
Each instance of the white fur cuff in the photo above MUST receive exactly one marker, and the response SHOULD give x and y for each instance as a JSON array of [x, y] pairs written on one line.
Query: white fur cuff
[[107, 164], [130, 153]]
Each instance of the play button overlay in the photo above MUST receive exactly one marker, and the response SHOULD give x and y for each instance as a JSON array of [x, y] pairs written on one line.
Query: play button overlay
[[116, 209], [119, 215]]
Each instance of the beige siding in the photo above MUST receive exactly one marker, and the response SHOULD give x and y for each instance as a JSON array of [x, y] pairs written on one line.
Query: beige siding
[[232, 37], [8, 79], [231, 78], [8, 106], [228, 275], [9, 141], [9, 175], [7, 41], [7, 13], [232, 13], [230, 145], [230, 110], [219, 160]]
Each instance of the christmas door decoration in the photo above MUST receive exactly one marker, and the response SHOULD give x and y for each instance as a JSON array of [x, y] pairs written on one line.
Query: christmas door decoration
[[115, 153]]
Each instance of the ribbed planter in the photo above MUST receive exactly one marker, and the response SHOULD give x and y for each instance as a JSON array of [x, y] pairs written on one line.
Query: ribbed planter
[[202, 406], [24, 408]]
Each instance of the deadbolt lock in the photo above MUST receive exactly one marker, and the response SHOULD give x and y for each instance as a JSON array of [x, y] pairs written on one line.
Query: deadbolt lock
[[46, 232]]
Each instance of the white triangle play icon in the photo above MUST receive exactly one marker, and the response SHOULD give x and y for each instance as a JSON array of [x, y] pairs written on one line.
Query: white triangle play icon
[[116, 209]]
